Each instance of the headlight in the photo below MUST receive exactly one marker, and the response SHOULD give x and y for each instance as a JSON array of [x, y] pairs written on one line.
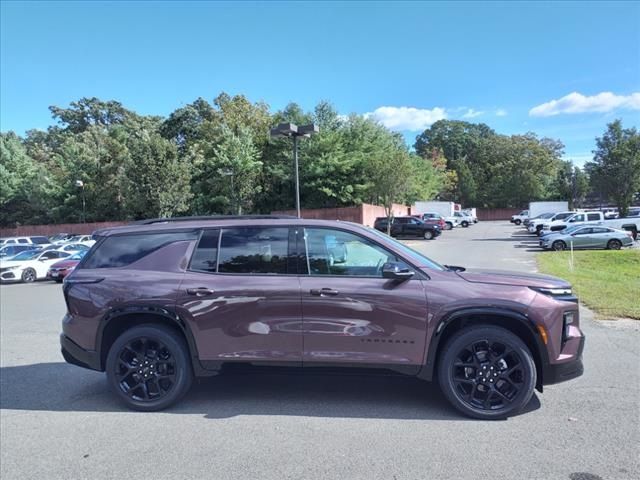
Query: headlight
[[567, 319], [554, 292]]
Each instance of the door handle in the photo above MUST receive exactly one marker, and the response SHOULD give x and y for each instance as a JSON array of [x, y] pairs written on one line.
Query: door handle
[[323, 291], [200, 291]]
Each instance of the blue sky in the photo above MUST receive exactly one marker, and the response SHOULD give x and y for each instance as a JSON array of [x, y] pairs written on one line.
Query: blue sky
[[406, 64]]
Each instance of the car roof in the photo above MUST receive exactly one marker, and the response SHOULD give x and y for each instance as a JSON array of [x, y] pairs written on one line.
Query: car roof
[[192, 223]]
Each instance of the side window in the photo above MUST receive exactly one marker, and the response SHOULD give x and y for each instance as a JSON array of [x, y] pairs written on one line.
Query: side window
[[584, 231], [121, 250], [401, 221], [600, 230], [593, 216], [205, 258], [49, 255], [23, 240], [334, 252], [254, 250]]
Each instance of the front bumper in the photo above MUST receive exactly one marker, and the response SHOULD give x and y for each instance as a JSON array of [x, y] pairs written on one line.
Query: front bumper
[[561, 372], [76, 355]]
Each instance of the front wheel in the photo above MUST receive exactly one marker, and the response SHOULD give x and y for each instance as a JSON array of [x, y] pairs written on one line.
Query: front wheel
[[428, 235], [465, 224], [148, 367], [487, 372], [29, 275], [448, 226], [614, 244], [518, 222], [559, 245]]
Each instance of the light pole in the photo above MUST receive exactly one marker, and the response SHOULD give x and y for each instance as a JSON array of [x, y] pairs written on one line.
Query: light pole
[[229, 173], [291, 130], [80, 184]]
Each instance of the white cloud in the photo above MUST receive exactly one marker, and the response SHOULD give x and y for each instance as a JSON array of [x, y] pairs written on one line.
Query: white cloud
[[471, 113], [501, 112], [407, 118], [577, 103]]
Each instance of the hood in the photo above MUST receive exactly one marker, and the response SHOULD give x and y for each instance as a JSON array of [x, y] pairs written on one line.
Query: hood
[[65, 264], [503, 277]]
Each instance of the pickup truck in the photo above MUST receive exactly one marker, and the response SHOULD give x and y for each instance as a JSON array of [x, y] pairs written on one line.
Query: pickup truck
[[630, 224], [520, 217], [536, 225]]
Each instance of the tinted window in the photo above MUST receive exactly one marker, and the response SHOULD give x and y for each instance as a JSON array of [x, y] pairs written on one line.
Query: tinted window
[[121, 250], [205, 258], [333, 252], [253, 250], [600, 230], [39, 240], [23, 240], [593, 216], [583, 231]]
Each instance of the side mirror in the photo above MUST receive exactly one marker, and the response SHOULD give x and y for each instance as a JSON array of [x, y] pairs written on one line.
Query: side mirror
[[396, 271]]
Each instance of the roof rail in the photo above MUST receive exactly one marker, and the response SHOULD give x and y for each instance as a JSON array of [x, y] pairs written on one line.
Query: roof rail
[[151, 221]]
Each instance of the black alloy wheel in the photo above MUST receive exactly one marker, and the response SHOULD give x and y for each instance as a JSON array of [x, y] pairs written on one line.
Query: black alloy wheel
[[559, 245], [149, 367], [614, 244], [29, 275], [487, 372], [428, 235]]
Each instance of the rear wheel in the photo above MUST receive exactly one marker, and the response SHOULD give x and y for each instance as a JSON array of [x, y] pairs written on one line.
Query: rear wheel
[[428, 235], [614, 244], [518, 221], [487, 372], [559, 245], [448, 226], [148, 367], [29, 275], [465, 224]]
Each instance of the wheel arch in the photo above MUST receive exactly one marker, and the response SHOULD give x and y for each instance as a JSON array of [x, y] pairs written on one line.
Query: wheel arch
[[118, 321], [513, 321]]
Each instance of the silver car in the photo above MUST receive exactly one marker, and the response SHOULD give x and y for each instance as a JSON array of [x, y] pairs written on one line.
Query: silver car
[[588, 236]]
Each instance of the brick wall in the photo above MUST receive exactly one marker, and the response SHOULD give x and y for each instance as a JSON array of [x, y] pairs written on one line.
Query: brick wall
[[496, 213], [364, 214]]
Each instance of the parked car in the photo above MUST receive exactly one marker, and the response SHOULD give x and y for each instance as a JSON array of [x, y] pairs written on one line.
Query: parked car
[[64, 267], [29, 266], [434, 219], [631, 224], [72, 247], [408, 227], [464, 220], [36, 240], [537, 225], [156, 303], [590, 236], [86, 239], [471, 212], [540, 218], [12, 249], [449, 222], [520, 217], [61, 237]]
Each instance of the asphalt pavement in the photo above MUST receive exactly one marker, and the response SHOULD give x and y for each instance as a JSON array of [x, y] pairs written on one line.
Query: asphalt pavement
[[59, 421]]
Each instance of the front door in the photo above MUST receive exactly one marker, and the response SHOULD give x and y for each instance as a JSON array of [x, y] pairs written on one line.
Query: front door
[[241, 297], [351, 314]]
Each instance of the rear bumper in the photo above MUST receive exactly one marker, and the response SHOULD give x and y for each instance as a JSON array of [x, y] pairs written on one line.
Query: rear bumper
[[561, 372], [76, 355]]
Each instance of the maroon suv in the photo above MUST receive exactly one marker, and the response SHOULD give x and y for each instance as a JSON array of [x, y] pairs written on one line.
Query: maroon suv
[[156, 303]]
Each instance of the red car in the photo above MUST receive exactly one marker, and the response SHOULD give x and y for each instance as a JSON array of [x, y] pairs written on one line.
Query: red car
[[61, 269]]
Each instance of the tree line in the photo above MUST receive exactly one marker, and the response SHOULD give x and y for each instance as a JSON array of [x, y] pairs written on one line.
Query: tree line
[[217, 157]]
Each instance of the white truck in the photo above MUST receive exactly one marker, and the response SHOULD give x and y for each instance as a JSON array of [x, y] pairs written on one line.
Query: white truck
[[445, 209], [520, 217], [536, 225], [630, 224]]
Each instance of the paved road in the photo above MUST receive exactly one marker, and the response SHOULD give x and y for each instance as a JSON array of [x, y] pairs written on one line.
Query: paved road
[[60, 422]]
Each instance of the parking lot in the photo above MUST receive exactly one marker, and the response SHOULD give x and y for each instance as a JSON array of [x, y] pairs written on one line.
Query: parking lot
[[60, 421]]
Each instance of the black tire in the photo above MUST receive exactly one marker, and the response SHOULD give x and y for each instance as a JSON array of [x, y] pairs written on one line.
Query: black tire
[[428, 235], [448, 226], [465, 224], [559, 245], [29, 275], [614, 244], [506, 362], [518, 222], [152, 350]]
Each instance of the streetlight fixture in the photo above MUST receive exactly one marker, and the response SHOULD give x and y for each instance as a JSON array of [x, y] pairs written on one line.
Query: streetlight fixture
[[229, 173], [292, 130], [80, 184]]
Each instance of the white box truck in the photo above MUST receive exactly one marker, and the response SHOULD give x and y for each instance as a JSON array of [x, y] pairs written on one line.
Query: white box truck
[[445, 209], [538, 208]]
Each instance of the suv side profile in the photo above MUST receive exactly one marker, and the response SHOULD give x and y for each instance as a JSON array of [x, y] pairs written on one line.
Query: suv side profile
[[408, 226], [158, 303]]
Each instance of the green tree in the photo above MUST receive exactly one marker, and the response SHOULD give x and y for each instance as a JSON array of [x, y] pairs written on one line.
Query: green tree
[[18, 178], [615, 169], [571, 184]]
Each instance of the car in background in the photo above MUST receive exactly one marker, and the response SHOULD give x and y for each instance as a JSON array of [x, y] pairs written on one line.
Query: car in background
[[541, 217], [39, 241], [434, 219], [464, 220], [86, 239], [11, 249], [72, 247], [62, 237], [408, 226], [61, 269], [29, 266], [449, 222], [587, 236], [520, 217], [537, 225]]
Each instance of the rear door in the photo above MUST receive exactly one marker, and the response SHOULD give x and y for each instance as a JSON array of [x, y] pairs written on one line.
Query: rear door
[[241, 297], [352, 316]]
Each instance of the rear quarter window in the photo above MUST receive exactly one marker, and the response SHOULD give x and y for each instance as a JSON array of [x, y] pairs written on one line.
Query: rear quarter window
[[123, 250]]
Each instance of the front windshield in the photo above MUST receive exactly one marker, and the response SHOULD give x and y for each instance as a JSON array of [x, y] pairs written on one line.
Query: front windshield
[[416, 256], [27, 255], [78, 256]]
